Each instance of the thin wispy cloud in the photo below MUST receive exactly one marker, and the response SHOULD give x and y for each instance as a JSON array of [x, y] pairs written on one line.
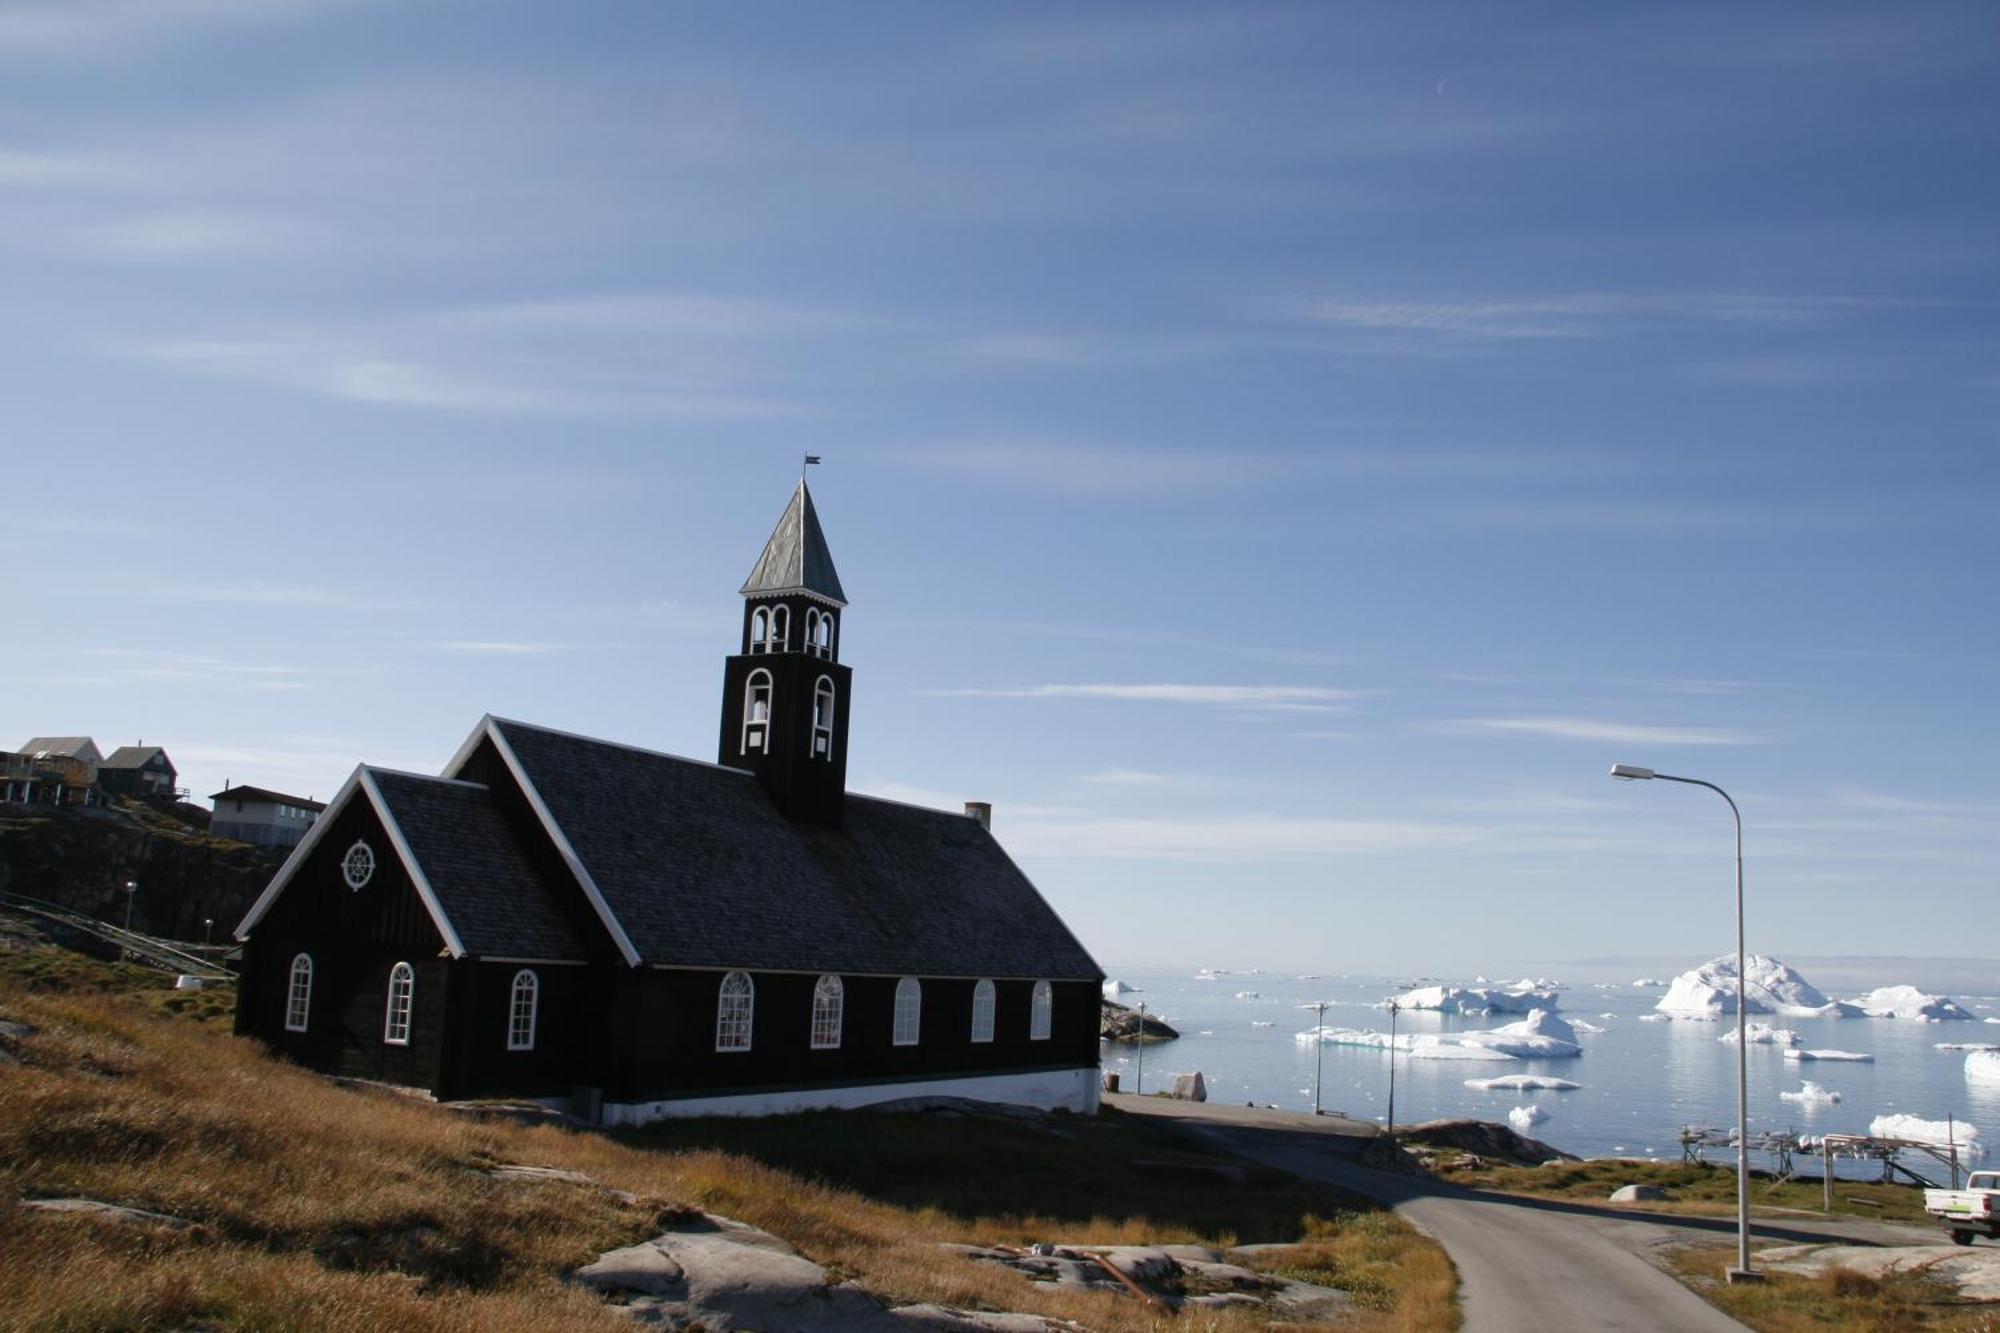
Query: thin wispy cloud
[[1126, 777], [189, 234], [101, 29], [267, 592], [1233, 838], [1089, 470], [503, 648], [1585, 314], [1242, 698], [156, 665], [1601, 731], [692, 314]]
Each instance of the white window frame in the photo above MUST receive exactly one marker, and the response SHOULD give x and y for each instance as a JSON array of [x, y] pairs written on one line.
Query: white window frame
[[735, 1012], [824, 644], [357, 867], [985, 997], [402, 1002], [760, 630], [1042, 1012], [822, 727], [299, 993], [521, 1017], [829, 1008], [757, 731], [909, 1024], [781, 628], [812, 630]]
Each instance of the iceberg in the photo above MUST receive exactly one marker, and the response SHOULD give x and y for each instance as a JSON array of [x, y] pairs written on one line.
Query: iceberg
[[1114, 989], [1417, 1046], [1811, 1094], [1525, 1118], [1261, 1023], [1522, 1083], [1478, 999], [1540, 1035], [1964, 1046], [1983, 1067], [1763, 1034], [1854, 1057], [1643, 982], [1248, 995], [1582, 1026], [1709, 991], [1946, 1134], [1909, 1002]]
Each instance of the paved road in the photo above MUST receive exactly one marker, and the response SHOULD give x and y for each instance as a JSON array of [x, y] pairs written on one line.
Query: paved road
[[1524, 1266]]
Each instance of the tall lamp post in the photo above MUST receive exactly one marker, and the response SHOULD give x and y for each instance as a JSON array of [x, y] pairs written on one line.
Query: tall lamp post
[[1742, 1272], [131, 890], [1139, 1051], [1394, 1009], [1319, 1046]]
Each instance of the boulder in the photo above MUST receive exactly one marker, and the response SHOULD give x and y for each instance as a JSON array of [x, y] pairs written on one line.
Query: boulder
[[1121, 1024], [1190, 1087], [109, 1212], [1638, 1194], [1486, 1139], [645, 1269]]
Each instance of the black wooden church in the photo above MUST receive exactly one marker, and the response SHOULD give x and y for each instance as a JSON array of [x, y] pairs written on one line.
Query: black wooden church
[[640, 935]]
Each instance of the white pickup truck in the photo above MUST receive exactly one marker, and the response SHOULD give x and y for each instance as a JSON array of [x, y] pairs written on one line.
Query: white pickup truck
[[1972, 1211]]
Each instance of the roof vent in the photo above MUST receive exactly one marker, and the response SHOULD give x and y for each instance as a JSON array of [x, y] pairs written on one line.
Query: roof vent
[[981, 811]]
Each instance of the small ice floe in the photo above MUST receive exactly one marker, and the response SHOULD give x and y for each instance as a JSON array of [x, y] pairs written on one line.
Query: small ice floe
[[1644, 982], [1208, 974], [1248, 995], [1983, 1067], [1909, 1002], [1205, 1032], [1946, 1134], [1261, 1023], [1763, 1034], [1114, 989], [1965, 1046], [1811, 1094], [1522, 1083], [1854, 1057], [1525, 1118], [1607, 1015], [1581, 1026], [1653, 1018]]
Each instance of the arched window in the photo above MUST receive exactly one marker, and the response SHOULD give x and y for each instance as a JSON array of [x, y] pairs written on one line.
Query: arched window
[[982, 1011], [823, 644], [521, 1007], [396, 1019], [732, 1012], [760, 630], [757, 711], [781, 629], [909, 1011], [812, 629], [829, 997], [299, 994], [1041, 1014], [822, 737]]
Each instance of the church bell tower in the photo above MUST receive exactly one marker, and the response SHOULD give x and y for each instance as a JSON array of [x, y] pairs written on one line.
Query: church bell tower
[[785, 694]]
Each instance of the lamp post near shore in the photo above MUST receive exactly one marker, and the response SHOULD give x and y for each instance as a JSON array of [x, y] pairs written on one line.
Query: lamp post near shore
[[1394, 1009], [1742, 1272], [1139, 1050], [1319, 1045]]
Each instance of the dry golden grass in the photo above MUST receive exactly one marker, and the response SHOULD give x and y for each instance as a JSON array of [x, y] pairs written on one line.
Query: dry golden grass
[[329, 1207], [1705, 1189], [1838, 1301]]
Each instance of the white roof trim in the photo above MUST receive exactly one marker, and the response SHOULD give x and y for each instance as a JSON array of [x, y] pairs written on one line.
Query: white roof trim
[[795, 591], [363, 781], [299, 854], [570, 858], [416, 872]]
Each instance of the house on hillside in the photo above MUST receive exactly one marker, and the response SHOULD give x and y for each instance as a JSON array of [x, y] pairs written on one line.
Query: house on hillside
[[638, 935], [139, 770], [262, 817], [51, 770]]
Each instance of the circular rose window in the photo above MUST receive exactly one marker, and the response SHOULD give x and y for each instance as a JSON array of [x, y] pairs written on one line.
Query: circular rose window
[[358, 865]]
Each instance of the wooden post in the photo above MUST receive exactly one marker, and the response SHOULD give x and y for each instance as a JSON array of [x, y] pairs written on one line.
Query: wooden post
[[1826, 1170]]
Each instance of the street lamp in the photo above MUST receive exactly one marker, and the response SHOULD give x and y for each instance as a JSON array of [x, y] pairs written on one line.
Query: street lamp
[[1319, 1045], [208, 932], [1139, 1050], [1742, 1272], [1394, 1009], [131, 889]]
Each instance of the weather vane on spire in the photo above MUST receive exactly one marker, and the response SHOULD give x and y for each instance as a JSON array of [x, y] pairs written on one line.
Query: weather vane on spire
[[811, 460]]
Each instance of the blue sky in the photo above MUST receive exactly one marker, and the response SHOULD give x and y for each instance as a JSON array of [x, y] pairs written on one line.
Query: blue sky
[[1281, 455]]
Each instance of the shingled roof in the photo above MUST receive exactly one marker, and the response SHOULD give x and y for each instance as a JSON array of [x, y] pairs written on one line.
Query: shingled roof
[[796, 558], [700, 869], [135, 756], [483, 877]]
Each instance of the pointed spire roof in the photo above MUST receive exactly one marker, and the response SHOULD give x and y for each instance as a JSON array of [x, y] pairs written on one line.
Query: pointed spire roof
[[796, 558]]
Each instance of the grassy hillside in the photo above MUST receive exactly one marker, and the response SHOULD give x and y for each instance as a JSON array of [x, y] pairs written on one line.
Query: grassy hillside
[[329, 1207]]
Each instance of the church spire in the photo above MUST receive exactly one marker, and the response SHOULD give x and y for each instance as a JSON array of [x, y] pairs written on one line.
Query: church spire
[[796, 559]]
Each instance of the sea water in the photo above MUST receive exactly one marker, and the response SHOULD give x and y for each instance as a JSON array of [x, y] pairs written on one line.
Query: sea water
[[1643, 1081]]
